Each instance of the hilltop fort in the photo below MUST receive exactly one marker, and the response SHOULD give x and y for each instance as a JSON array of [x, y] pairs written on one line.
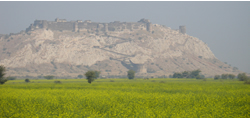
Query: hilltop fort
[[87, 25], [69, 48]]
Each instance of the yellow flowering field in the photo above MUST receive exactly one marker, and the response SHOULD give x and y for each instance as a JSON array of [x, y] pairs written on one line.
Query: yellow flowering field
[[153, 98]]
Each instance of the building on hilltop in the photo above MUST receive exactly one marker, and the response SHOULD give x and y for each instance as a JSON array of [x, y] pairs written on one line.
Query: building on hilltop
[[87, 25], [79, 25]]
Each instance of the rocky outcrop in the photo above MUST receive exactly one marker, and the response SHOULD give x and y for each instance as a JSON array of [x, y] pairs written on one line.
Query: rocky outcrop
[[68, 53]]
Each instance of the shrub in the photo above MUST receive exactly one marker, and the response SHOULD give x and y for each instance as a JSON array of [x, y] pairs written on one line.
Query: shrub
[[49, 77], [90, 75], [247, 81], [162, 82], [224, 76], [11, 78], [27, 80], [231, 76], [177, 75], [112, 81], [242, 76], [131, 74], [216, 77], [80, 76], [200, 77], [57, 82]]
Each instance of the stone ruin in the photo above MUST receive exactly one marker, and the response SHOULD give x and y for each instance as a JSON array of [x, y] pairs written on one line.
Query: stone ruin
[[87, 25], [182, 29], [78, 26]]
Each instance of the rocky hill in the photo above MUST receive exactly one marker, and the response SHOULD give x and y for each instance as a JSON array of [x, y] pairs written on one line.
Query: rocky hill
[[112, 48]]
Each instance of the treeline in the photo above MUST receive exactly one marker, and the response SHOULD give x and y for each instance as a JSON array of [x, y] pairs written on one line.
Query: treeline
[[189, 74], [240, 76], [224, 76]]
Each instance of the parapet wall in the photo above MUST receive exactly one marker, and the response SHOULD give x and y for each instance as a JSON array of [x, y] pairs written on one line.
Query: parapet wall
[[76, 26]]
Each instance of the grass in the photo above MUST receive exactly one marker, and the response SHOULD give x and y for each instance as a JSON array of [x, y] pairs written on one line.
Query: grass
[[123, 98]]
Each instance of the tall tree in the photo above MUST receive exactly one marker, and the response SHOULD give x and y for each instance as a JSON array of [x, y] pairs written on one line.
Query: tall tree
[[231, 76], [2, 73], [131, 74], [90, 75], [242, 76], [177, 75], [224, 76], [216, 77], [195, 73]]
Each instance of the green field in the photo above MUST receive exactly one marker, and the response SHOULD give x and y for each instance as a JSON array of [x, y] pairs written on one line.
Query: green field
[[162, 98]]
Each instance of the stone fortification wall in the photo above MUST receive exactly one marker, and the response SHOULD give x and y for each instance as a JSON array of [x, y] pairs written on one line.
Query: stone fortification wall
[[62, 24]]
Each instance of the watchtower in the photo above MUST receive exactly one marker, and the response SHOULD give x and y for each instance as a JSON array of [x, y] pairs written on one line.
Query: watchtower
[[76, 27], [106, 27], [148, 24], [182, 29]]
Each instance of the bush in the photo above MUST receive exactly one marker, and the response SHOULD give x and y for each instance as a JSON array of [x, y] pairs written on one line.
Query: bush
[[177, 75], [187, 74], [49, 77], [80, 76], [27, 80], [242, 76], [90, 75], [200, 77], [216, 77], [247, 81], [11, 78], [57, 82], [224, 76], [231, 76], [131, 74], [112, 81], [2, 73]]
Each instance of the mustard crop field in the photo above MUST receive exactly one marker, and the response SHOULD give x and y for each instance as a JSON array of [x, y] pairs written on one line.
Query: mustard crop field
[[123, 98]]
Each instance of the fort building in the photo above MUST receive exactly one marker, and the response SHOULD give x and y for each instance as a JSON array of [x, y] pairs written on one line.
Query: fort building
[[79, 25], [182, 29]]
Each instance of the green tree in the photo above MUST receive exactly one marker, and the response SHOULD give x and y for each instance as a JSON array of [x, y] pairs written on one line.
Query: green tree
[[200, 77], [231, 76], [2, 73], [49, 77], [11, 78], [224, 76], [242, 76], [80, 76], [177, 75], [185, 74], [194, 73], [216, 77], [27, 80], [131, 74], [90, 75], [97, 74]]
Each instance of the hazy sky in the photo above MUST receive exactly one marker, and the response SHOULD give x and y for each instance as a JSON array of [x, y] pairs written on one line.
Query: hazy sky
[[224, 26]]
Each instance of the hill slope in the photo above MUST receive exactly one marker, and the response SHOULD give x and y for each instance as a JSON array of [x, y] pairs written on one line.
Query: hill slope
[[66, 53]]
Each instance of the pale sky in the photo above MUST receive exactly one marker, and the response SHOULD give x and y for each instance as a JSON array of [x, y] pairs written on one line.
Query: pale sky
[[223, 26]]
